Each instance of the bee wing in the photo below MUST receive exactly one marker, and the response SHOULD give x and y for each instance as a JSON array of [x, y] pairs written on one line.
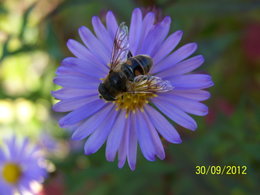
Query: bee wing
[[149, 84], [120, 47]]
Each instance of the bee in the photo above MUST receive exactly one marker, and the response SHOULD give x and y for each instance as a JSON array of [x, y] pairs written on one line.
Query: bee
[[128, 73]]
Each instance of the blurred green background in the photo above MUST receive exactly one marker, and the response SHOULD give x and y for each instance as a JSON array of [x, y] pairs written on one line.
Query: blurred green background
[[33, 35]]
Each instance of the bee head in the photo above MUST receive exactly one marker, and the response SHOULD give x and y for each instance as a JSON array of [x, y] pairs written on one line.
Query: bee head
[[104, 93]]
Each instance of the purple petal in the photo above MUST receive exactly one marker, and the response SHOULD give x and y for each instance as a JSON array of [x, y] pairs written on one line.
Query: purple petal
[[11, 144], [115, 137], [191, 81], [78, 49], [85, 66], [176, 114], [91, 124], [94, 44], [81, 113], [155, 139], [144, 137], [2, 155], [72, 128], [148, 23], [167, 130], [83, 53], [123, 148], [185, 104], [23, 147], [68, 71], [155, 37], [167, 46], [132, 143], [135, 30], [73, 103], [24, 185], [195, 94], [102, 33], [97, 139], [112, 25], [76, 82], [177, 56], [67, 93], [183, 67], [6, 189]]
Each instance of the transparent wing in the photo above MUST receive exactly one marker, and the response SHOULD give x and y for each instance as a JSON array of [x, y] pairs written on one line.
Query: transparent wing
[[149, 84], [120, 47]]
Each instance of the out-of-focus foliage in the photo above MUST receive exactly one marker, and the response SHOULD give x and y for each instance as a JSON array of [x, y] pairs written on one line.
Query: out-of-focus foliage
[[33, 37]]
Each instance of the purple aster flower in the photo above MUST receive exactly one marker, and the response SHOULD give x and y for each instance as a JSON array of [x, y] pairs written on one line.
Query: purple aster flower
[[133, 118], [19, 167]]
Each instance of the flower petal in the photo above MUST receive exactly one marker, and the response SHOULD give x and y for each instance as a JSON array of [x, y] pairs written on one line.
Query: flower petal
[[78, 49], [73, 103], [194, 94], [148, 23], [6, 189], [111, 23], [185, 104], [102, 33], [68, 71], [155, 138], [84, 53], [135, 30], [177, 56], [183, 67], [144, 137], [167, 46], [81, 113], [2, 156], [76, 82], [94, 45], [123, 148], [97, 139], [92, 123], [115, 136], [67, 93], [167, 131], [176, 114], [11, 144], [132, 143], [155, 36], [85, 66], [191, 81]]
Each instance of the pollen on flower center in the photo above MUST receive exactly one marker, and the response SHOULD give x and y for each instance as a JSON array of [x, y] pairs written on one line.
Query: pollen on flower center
[[133, 101], [11, 173]]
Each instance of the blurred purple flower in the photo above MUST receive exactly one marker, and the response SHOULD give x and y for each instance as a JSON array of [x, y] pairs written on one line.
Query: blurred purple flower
[[48, 142], [19, 167], [99, 121]]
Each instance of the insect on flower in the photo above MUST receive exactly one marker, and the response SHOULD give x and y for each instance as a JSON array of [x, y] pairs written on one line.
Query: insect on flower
[[128, 74], [120, 86]]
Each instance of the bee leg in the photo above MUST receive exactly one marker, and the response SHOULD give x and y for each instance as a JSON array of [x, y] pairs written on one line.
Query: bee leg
[[129, 55]]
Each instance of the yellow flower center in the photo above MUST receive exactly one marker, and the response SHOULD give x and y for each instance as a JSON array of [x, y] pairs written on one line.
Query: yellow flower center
[[133, 101], [11, 173]]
